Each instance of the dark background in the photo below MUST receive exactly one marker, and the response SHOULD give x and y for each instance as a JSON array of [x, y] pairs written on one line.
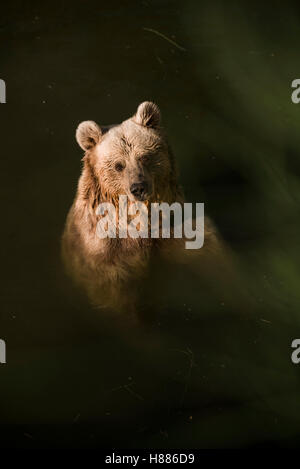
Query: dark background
[[203, 375]]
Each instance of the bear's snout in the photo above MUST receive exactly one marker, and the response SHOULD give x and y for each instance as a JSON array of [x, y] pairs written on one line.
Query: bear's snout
[[139, 190]]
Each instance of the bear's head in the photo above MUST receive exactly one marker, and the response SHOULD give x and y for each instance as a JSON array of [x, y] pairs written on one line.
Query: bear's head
[[132, 158]]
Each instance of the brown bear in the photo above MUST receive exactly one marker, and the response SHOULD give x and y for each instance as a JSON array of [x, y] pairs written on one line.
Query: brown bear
[[133, 158]]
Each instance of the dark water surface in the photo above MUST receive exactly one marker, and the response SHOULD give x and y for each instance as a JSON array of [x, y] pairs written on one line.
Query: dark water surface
[[203, 374]]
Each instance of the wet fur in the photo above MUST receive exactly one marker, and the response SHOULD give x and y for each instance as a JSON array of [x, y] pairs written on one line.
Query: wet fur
[[111, 270]]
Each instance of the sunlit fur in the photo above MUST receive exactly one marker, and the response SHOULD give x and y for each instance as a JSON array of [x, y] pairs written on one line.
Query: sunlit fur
[[138, 146]]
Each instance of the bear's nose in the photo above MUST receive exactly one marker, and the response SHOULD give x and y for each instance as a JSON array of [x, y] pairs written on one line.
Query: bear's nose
[[139, 189]]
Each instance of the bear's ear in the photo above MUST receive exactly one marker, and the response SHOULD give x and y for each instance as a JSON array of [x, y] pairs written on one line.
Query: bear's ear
[[148, 115], [88, 134]]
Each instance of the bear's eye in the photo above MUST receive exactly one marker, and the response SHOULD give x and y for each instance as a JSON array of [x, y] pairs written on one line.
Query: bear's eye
[[119, 167], [145, 159]]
